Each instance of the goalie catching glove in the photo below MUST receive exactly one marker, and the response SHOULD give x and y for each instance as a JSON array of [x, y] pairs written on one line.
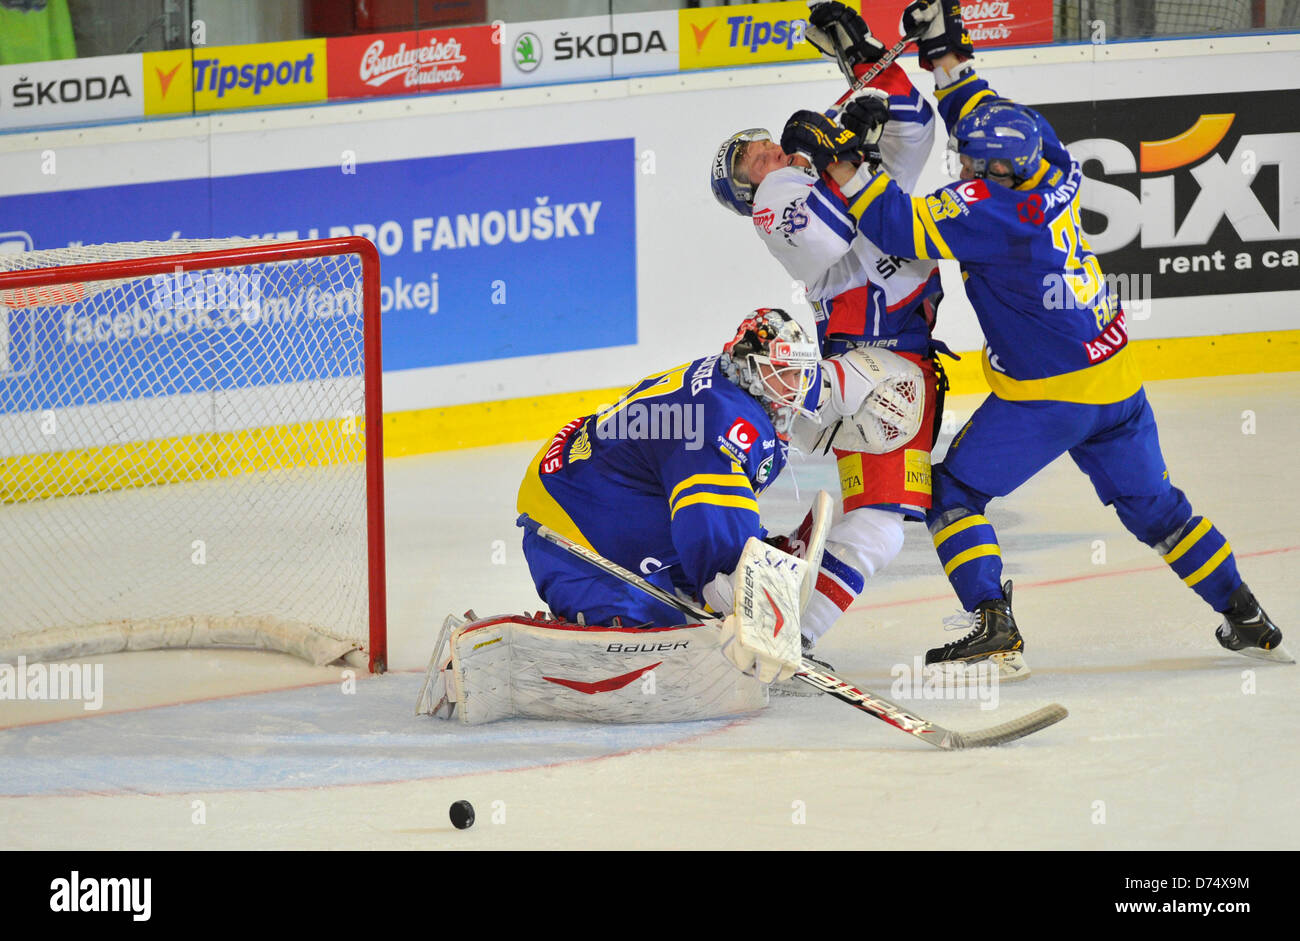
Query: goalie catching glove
[[873, 401]]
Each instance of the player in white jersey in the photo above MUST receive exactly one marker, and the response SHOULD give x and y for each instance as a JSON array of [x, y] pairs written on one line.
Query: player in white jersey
[[862, 298]]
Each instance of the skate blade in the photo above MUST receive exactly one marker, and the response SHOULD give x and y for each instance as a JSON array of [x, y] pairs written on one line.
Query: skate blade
[[1010, 667], [1278, 654]]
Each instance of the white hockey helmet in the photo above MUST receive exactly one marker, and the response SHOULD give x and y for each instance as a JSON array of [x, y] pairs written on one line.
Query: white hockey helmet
[[774, 360]]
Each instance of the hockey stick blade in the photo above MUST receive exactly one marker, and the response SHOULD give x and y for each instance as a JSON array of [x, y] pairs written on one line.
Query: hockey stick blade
[[925, 729], [1008, 731], [814, 676]]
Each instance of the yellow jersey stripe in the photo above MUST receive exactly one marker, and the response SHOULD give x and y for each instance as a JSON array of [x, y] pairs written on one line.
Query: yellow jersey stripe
[[942, 93], [535, 500], [1114, 380], [716, 499], [975, 552], [966, 522], [1210, 565], [1033, 181], [975, 99], [918, 235], [718, 480], [868, 195], [922, 209], [1186, 543]]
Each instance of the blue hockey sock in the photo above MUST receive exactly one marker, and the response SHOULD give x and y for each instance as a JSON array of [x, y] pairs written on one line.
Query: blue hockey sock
[[1202, 558], [971, 558]]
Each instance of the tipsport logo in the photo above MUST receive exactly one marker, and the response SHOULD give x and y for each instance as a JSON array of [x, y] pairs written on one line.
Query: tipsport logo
[[746, 33], [754, 33]]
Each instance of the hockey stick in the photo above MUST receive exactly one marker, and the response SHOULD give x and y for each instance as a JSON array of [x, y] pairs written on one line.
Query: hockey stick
[[884, 62], [827, 682]]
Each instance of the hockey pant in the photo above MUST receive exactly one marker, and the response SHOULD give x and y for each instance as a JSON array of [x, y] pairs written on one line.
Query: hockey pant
[[1117, 445]]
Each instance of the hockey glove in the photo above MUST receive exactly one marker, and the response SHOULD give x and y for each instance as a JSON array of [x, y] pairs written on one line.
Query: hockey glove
[[820, 140], [939, 30], [839, 32], [865, 114]]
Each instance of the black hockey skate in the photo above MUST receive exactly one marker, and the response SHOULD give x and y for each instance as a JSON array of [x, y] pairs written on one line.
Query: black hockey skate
[[793, 687], [993, 641], [1247, 630]]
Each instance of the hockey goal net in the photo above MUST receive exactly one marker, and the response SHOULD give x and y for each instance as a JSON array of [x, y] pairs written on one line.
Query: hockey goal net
[[190, 449]]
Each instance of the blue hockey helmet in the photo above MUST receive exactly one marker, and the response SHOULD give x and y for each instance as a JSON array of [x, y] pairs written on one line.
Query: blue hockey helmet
[[730, 186], [999, 130]]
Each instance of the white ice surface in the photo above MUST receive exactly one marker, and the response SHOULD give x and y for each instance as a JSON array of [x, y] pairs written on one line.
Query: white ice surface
[[1173, 742]]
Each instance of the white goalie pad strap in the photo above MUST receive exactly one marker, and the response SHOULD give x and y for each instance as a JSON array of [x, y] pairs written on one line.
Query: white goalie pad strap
[[762, 635], [889, 414], [500, 667]]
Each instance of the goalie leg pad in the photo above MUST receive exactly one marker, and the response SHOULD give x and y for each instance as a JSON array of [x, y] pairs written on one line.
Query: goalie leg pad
[[501, 667], [861, 543]]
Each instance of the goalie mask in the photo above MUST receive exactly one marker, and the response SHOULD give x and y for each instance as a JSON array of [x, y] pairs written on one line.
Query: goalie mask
[[774, 360]]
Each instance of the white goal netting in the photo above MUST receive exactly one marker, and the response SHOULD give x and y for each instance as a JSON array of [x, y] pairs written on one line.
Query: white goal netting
[[183, 455]]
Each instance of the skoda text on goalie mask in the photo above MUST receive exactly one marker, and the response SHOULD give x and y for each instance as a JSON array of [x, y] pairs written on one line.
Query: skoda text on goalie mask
[[654, 421]]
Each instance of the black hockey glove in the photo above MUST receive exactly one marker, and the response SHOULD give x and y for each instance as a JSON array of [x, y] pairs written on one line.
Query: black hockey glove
[[939, 30], [866, 114], [820, 140], [841, 33]]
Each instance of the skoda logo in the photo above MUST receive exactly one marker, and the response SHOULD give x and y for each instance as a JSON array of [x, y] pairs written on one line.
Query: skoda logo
[[528, 52]]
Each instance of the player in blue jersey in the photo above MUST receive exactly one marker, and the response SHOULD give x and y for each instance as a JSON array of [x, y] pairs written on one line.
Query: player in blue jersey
[[1056, 354], [664, 482]]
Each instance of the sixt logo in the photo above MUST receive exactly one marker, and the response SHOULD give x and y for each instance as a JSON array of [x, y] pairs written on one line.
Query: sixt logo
[[747, 34], [1225, 185]]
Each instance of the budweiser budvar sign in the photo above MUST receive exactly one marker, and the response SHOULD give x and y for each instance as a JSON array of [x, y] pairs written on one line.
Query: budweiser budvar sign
[[991, 23], [413, 62], [1002, 23]]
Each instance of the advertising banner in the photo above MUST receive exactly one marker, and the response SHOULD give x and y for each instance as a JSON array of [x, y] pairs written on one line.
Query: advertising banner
[[484, 256], [70, 91], [991, 23], [588, 48], [749, 34], [1195, 191], [168, 82], [413, 62], [275, 73]]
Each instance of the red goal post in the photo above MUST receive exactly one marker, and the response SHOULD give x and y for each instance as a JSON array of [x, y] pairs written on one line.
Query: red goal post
[[152, 392]]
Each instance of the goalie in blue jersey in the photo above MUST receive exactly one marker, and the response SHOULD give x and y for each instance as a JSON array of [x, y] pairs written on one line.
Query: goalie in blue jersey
[[1056, 354], [665, 481]]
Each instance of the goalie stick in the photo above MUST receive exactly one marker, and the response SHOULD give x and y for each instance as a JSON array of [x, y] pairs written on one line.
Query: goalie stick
[[827, 682]]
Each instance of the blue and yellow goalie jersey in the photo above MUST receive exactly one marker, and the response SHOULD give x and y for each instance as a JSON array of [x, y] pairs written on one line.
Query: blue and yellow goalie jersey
[[1054, 327], [665, 480]]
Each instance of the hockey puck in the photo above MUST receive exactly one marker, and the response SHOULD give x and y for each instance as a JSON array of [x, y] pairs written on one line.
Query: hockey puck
[[462, 815]]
